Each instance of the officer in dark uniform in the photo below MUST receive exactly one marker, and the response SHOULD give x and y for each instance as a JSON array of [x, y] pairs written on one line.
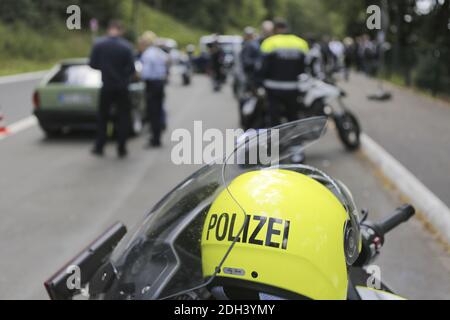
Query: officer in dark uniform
[[282, 62], [249, 56], [155, 69], [114, 57], [217, 61]]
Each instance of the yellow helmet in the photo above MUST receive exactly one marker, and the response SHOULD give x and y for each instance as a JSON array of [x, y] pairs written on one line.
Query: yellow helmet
[[292, 236]]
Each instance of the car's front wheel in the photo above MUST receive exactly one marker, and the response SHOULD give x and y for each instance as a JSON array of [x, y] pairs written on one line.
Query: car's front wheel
[[51, 132]]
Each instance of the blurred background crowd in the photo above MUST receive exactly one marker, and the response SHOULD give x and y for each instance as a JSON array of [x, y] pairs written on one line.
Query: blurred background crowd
[[417, 54]]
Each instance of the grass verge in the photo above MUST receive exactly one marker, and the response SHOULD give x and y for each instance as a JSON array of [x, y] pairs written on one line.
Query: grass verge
[[23, 49]]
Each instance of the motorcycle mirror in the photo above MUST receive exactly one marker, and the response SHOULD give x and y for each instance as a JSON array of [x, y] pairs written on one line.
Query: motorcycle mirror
[[364, 215], [85, 265]]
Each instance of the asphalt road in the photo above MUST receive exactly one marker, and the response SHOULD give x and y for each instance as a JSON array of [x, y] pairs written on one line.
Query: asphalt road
[[55, 197], [412, 127], [16, 99]]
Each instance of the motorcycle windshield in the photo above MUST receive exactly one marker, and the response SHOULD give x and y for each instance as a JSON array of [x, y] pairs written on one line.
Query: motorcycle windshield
[[165, 257], [162, 258]]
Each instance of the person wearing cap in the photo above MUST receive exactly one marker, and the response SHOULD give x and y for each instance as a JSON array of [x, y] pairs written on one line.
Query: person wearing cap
[[249, 56], [217, 64], [114, 57], [155, 63], [283, 60], [266, 30]]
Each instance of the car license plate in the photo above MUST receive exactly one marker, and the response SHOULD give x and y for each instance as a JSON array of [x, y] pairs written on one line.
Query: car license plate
[[75, 99]]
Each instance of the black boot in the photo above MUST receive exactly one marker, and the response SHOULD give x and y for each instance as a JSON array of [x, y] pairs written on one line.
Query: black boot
[[122, 152]]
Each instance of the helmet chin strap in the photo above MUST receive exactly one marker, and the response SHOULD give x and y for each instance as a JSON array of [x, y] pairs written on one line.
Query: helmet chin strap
[[220, 294], [269, 297]]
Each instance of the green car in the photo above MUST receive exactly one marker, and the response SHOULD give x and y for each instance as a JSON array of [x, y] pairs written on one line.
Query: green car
[[67, 98]]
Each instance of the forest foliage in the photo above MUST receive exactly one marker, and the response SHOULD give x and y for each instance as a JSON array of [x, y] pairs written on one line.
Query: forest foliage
[[419, 30]]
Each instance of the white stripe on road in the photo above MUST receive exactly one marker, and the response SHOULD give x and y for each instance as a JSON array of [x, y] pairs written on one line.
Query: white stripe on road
[[22, 77], [19, 126], [421, 197]]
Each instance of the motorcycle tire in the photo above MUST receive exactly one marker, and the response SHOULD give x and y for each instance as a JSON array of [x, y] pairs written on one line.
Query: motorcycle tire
[[349, 130]]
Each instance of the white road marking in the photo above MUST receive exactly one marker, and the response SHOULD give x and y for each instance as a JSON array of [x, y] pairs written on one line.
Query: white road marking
[[19, 126], [22, 77], [421, 197]]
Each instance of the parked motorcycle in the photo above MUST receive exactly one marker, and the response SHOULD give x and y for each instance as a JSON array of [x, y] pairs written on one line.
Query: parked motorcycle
[[162, 258], [321, 98], [316, 98], [186, 70]]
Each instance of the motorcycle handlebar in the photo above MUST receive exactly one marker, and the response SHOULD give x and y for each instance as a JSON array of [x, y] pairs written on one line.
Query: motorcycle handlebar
[[373, 241], [402, 214]]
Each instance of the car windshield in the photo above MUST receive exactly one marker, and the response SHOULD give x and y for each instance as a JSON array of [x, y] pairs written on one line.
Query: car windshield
[[163, 257], [77, 75]]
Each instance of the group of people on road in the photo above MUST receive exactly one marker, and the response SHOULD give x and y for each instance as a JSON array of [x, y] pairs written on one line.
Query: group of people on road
[[274, 60], [365, 53], [216, 66], [116, 59], [334, 55]]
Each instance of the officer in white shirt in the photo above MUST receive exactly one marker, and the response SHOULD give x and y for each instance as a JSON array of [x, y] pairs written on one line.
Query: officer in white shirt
[[155, 63]]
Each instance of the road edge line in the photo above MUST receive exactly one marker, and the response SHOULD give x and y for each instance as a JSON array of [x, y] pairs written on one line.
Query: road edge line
[[19, 126], [434, 209], [22, 77]]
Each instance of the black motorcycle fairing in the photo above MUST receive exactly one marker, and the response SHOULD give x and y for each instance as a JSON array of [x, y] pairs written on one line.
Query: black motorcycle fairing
[[148, 262]]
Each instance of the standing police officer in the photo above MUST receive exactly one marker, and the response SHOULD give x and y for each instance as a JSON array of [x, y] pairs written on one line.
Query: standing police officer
[[249, 56], [283, 61], [217, 65], [155, 66], [114, 57]]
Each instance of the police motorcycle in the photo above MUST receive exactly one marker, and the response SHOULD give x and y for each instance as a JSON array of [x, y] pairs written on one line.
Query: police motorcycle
[[316, 98], [321, 97], [185, 69], [208, 240]]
